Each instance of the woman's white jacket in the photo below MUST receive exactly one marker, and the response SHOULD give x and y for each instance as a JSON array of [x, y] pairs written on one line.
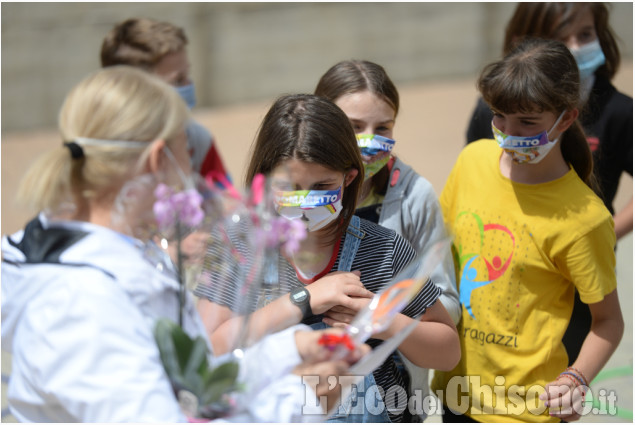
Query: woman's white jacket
[[79, 304]]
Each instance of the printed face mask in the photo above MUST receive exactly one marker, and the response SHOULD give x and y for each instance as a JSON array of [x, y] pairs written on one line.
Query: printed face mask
[[589, 58], [188, 94], [377, 149], [316, 208], [526, 149]]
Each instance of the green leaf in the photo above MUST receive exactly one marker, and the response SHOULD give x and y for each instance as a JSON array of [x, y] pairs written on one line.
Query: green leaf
[[182, 357], [228, 370], [194, 372], [167, 347], [185, 362], [184, 346], [197, 361], [221, 380]]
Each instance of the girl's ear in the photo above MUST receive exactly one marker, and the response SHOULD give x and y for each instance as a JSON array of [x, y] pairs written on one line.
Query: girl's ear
[[156, 157], [350, 176], [568, 118]]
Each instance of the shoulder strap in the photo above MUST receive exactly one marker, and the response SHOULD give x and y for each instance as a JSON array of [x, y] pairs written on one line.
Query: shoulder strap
[[354, 236]]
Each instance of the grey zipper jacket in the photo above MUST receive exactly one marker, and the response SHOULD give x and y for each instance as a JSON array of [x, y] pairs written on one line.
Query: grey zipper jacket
[[412, 209]]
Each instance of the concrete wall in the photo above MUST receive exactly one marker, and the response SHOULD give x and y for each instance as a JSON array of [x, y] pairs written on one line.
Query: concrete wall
[[243, 52]]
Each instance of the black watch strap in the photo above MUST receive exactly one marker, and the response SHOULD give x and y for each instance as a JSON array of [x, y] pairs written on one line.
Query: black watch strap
[[302, 298]]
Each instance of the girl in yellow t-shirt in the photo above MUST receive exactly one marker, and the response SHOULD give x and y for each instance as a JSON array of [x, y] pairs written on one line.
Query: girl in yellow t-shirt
[[528, 231]]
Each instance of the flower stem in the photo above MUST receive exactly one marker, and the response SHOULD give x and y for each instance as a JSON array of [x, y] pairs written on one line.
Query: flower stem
[[179, 272]]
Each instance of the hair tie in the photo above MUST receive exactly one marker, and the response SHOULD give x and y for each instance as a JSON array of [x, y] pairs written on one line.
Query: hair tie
[[76, 150]]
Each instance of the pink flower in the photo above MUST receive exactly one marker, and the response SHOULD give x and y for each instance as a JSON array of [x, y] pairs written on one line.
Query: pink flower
[[287, 233], [163, 191], [296, 232], [258, 188], [190, 211], [171, 207]]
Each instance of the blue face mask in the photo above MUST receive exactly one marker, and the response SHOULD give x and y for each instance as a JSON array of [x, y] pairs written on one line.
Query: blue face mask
[[589, 58], [188, 94]]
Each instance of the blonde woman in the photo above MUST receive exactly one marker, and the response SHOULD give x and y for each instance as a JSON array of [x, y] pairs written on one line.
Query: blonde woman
[[80, 298]]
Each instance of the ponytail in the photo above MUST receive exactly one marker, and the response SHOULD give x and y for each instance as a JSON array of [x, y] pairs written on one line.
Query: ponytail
[[52, 180], [575, 150], [109, 105]]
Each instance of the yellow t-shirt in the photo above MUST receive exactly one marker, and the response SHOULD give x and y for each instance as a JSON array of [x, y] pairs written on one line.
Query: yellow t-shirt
[[519, 250]]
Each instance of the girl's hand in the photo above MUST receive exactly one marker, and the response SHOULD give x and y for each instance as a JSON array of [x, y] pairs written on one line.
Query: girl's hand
[[339, 316], [564, 399], [311, 351], [337, 288]]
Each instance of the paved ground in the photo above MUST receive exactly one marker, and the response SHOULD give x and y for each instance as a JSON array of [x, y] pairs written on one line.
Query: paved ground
[[430, 133]]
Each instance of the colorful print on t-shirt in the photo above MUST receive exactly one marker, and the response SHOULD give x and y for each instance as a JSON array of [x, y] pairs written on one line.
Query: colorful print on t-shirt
[[480, 264]]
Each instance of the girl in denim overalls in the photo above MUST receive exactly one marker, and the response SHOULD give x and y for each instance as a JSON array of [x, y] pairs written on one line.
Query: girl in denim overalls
[[308, 148]]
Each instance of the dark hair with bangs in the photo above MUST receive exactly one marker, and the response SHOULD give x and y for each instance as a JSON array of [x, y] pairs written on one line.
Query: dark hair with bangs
[[537, 76], [354, 76], [549, 19], [311, 129]]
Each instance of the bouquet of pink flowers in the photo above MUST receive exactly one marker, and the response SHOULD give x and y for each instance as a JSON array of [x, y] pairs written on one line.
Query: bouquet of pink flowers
[[226, 219]]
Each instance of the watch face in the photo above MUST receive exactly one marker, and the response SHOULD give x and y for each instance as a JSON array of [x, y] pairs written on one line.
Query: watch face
[[299, 297]]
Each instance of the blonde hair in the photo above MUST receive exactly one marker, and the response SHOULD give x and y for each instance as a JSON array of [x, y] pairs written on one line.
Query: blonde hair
[[119, 103]]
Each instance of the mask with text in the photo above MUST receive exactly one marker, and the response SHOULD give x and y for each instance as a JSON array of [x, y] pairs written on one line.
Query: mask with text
[[526, 149], [375, 152], [317, 208]]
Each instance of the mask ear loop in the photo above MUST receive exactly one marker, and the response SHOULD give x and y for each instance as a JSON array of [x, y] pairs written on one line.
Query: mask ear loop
[[555, 125], [186, 182]]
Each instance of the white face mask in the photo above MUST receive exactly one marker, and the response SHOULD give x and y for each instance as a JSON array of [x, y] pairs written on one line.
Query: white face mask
[[526, 149], [317, 208]]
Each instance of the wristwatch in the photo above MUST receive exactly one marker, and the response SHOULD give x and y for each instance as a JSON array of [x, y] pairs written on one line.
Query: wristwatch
[[302, 298]]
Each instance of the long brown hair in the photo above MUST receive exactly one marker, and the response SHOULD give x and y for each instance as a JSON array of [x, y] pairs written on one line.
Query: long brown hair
[[548, 20], [540, 75], [310, 129], [354, 76]]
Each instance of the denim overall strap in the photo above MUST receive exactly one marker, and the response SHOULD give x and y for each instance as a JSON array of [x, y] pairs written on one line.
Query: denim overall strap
[[353, 238], [355, 408]]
